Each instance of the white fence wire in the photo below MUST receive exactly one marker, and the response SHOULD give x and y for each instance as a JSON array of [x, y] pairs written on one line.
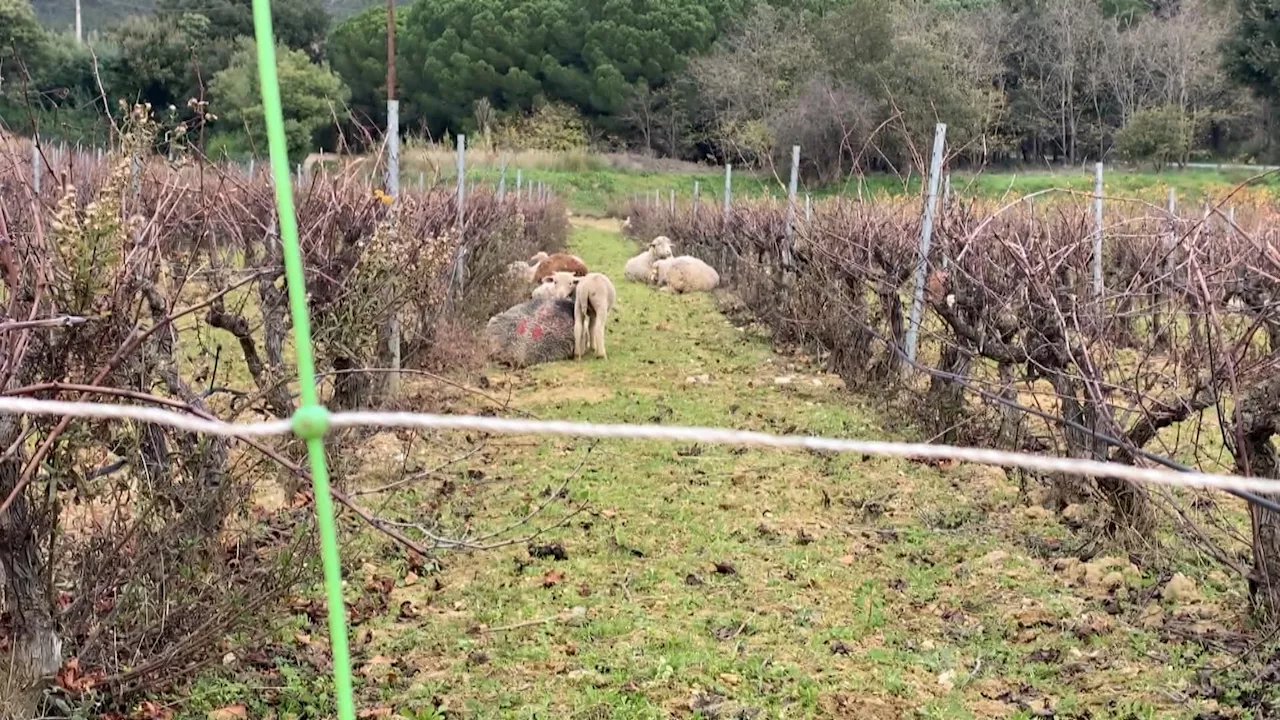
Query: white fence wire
[[705, 435]]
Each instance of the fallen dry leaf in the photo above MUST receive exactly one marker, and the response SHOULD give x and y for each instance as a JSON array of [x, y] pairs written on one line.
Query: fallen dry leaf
[[74, 681], [230, 712], [149, 710]]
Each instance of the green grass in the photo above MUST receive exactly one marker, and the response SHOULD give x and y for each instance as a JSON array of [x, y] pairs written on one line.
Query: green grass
[[592, 183], [863, 588], [591, 190]]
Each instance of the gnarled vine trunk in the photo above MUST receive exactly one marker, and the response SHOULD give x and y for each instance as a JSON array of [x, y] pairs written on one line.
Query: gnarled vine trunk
[[1257, 422], [37, 649]]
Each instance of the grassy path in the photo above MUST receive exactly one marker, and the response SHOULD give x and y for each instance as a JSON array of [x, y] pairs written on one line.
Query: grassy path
[[747, 583]]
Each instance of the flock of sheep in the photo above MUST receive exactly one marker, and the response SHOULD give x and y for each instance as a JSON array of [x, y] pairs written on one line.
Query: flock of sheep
[[538, 330]]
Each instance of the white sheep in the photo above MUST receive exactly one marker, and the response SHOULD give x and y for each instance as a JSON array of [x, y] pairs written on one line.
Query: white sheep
[[555, 286], [684, 274], [522, 270], [593, 296], [658, 271], [638, 267]]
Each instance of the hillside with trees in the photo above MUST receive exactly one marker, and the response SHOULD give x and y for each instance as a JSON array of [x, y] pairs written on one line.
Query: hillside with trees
[[858, 83]]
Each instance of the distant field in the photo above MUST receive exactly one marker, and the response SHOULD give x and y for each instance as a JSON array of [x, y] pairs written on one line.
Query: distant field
[[589, 183]]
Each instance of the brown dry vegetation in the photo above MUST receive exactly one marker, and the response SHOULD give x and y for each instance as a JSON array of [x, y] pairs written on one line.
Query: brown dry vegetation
[[128, 548], [691, 580]]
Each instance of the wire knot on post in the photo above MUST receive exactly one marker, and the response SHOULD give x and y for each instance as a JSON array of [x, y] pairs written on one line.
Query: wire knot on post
[[311, 422]]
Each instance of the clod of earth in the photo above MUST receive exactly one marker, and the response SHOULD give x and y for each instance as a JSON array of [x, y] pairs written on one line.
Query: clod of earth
[[555, 551], [726, 568]]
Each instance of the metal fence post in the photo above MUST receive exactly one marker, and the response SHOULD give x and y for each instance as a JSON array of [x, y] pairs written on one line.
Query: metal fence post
[[926, 236], [1097, 231]]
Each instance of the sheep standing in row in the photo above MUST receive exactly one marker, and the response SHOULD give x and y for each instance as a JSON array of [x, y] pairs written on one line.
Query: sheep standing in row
[[638, 268], [684, 274]]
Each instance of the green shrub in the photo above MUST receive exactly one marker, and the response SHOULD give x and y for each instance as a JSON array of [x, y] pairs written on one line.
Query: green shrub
[[555, 127], [311, 95], [1156, 135]]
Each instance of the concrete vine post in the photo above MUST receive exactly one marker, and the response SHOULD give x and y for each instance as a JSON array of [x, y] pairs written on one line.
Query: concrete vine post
[[697, 187], [459, 260], [728, 189], [35, 166], [393, 149], [462, 181], [926, 236], [788, 244], [392, 181]]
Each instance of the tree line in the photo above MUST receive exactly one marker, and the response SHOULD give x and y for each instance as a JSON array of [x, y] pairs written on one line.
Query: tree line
[[858, 83]]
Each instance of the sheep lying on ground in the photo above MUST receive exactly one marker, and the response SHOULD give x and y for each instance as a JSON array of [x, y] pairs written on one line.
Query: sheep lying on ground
[[556, 286], [593, 296], [532, 332], [560, 262], [684, 274], [522, 270], [638, 268]]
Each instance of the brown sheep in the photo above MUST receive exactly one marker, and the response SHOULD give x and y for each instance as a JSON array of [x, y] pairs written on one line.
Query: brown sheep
[[560, 262]]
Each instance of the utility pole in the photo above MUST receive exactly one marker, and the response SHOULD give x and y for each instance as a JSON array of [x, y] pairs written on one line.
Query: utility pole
[[79, 32]]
